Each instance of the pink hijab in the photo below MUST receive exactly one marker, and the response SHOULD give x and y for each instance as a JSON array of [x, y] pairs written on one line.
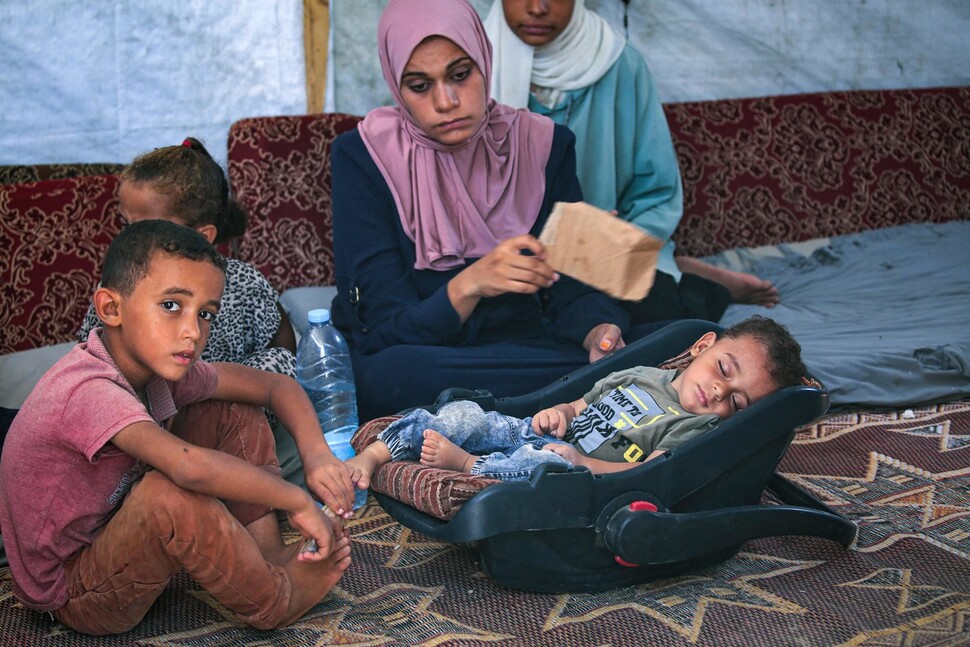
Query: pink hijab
[[459, 201]]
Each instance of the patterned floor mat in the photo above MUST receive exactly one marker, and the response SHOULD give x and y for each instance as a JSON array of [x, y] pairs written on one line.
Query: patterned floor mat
[[904, 477]]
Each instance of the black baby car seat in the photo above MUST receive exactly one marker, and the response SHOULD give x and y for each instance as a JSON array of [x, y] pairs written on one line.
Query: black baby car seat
[[566, 530]]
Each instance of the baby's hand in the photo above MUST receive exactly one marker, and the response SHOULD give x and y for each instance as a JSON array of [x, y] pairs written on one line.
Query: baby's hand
[[568, 452], [550, 421]]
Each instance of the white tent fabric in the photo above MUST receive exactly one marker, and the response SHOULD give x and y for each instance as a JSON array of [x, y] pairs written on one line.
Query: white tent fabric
[[105, 80], [716, 49]]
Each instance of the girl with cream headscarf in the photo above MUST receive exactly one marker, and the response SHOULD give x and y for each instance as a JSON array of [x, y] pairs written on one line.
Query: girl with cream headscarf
[[559, 59]]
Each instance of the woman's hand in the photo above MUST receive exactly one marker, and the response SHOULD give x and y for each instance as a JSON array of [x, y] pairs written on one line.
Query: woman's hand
[[603, 340], [503, 270]]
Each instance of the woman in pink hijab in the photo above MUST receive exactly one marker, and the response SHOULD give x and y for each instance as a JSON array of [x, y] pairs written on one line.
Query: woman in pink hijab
[[437, 204]]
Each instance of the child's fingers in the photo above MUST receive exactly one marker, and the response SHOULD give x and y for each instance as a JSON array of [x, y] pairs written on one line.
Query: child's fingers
[[337, 493], [541, 422], [536, 427], [322, 537], [342, 485], [316, 549]]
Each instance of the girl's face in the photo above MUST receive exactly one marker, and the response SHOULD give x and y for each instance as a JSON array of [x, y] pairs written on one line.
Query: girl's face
[[444, 91], [538, 22], [139, 201]]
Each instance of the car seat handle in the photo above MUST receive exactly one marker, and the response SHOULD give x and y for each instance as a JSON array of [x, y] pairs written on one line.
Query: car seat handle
[[636, 535]]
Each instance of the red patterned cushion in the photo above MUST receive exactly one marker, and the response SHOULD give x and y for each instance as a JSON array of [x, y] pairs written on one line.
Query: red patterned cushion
[[18, 174], [791, 168], [440, 493], [279, 170], [54, 235]]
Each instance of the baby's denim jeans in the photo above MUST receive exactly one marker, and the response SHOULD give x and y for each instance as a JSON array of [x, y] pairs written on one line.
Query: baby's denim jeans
[[508, 448]]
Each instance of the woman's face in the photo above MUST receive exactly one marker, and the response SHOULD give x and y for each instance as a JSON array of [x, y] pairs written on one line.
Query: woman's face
[[444, 91], [538, 22]]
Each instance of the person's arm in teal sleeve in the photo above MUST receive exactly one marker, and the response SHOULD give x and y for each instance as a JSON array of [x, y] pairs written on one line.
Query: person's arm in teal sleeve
[[648, 176]]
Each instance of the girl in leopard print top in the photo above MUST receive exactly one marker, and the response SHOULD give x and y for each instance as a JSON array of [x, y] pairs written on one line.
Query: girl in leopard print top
[[184, 184]]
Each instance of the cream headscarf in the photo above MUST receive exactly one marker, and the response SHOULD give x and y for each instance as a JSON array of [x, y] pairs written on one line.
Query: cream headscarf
[[577, 58]]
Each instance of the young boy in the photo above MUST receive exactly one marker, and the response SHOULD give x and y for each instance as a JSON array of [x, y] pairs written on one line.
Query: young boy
[[132, 459], [629, 417]]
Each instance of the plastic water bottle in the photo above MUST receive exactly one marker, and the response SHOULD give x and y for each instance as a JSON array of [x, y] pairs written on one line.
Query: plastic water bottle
[[324, 371]]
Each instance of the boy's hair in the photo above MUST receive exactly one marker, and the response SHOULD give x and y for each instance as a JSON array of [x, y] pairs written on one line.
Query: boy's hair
[[194, 184], [130, 253], [784, 353]]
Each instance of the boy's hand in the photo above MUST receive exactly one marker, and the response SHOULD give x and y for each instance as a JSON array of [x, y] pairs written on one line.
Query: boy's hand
[[321, 530], [328, 479], [550, 421]]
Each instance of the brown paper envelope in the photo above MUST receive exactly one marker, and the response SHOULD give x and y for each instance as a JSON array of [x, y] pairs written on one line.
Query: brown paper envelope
[[601, 250]]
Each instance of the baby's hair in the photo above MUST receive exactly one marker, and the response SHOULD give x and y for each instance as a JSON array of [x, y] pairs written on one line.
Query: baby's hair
[[194, 184], [130, 253], [784, 353]]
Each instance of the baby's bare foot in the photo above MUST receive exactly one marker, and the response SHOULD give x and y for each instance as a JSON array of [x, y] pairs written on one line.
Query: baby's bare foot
[[438, 451], [362, 465]]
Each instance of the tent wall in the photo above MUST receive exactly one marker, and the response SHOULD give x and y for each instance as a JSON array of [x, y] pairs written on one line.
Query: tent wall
[[108, 79], [714, 49]]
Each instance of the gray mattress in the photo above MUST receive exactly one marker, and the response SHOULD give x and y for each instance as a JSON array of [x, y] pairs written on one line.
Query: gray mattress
[[883, 316]]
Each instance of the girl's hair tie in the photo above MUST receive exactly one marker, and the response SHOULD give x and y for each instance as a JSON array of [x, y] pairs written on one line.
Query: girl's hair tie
[[187, 143]]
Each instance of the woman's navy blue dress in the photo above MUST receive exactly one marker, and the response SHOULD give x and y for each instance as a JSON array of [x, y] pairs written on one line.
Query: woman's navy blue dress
[[407, 341]]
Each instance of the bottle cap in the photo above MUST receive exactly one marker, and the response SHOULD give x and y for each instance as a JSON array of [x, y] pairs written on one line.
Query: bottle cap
[[320, 315]]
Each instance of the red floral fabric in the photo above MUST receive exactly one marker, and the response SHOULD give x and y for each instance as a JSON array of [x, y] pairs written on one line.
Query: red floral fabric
[[54, 235], [18, 174], [279, 170], [756, 171], [791, 168]]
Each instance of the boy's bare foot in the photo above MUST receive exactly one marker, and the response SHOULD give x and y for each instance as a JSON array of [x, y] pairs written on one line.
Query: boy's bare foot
[[438, 451], [362, 465], [311, 581], [743, 287]]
